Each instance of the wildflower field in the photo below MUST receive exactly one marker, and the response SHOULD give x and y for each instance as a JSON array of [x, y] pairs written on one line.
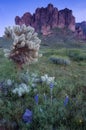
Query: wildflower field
[[51, 95], [46, 95]]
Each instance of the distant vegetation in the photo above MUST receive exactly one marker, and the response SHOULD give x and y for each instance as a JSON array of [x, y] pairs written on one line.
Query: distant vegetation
[[60, 60], [62, 38]]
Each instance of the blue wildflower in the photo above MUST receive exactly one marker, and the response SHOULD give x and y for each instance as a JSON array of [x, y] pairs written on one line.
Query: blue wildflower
[[66, 100], [27, 116], [51, 85], [36, 97]]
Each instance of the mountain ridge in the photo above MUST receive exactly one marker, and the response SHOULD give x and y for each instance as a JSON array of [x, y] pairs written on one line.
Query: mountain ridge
[[45, 19]]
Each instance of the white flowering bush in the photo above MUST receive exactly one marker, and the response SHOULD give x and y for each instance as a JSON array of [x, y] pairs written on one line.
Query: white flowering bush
[[29, 78], [47, 79], [21, 90]]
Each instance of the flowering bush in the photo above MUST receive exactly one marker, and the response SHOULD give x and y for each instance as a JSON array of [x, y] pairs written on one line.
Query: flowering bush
[[28, 77], [47, 79], [21, 90]]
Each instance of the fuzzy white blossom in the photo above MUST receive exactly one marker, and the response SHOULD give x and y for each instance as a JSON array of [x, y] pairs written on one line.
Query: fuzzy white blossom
[[21, 90], [47, 79]]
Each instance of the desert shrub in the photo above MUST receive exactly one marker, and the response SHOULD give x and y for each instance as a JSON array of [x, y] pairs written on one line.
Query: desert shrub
[[60, 60]]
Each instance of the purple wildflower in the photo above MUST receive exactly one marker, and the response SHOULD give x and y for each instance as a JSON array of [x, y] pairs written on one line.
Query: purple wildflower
[[51, 85], [66, 100], [27, 116], [36, 97]]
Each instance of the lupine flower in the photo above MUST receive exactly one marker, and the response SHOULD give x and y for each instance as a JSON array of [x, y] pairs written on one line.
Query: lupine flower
[[36, 99], [66, 100], [51, 85], [27, 116]]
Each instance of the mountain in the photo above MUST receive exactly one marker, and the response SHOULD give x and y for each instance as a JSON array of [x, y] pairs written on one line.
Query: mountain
[[48, 18], [81, 29], [82, 25]]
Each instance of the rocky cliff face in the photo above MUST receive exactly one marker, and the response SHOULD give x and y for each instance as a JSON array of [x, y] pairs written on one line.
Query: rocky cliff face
[[45, 19], [66, 19], [81, 30]]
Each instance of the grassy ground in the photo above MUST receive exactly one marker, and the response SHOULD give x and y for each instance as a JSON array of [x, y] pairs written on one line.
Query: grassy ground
[[71, 81]]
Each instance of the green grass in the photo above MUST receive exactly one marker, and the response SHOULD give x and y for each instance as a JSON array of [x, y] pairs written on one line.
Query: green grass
[[65, 72], [71, 80]]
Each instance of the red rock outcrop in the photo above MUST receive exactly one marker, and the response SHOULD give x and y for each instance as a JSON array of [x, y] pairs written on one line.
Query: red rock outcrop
[[66, 19], [44, 19]]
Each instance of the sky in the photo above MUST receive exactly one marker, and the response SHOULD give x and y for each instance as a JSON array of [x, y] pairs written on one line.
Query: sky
[[11, 8]]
